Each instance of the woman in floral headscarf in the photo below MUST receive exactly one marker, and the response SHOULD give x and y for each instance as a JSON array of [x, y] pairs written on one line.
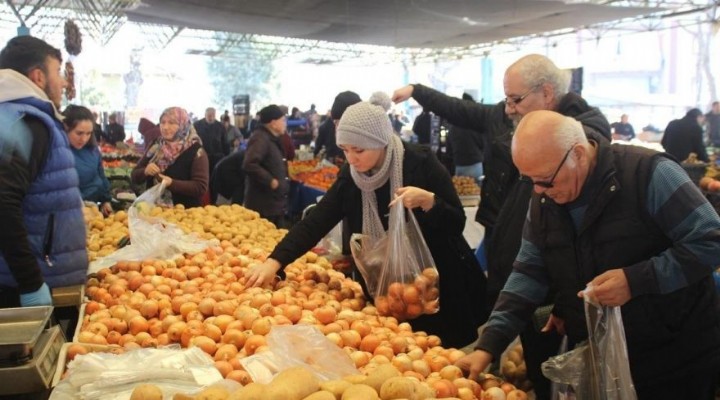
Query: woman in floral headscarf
[[177, 158]]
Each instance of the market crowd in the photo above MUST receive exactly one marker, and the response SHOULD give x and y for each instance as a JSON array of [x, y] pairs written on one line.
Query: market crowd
[[563, 207]]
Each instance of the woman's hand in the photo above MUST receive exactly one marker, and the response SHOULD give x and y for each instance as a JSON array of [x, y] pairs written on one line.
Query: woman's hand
[[106, 209], [166, 180], [152, 169], [414, 197], [262, 274], [474, 363]]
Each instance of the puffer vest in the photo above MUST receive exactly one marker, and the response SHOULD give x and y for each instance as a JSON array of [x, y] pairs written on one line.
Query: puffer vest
[[664, 332], [52, 207]]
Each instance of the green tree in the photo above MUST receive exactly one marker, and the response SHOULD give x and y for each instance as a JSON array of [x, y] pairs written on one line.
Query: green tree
[[253, 75]]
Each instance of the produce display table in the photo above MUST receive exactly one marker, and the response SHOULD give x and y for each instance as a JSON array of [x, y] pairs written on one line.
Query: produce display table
[[301, 196]]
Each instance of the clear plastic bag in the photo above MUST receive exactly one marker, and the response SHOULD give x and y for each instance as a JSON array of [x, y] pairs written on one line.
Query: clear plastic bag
[[99, 375], [369, 256], [403, 273], [152, 237], [299, 346], [598, 369]]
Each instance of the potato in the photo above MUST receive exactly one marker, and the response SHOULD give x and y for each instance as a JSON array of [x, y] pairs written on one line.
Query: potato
[[253, 391], [355, 379], [321, 395], [146, 392], [336, 387], [423, 391], [360, 392], [292, 384], [380, 374], [213, 393], [397, 388]]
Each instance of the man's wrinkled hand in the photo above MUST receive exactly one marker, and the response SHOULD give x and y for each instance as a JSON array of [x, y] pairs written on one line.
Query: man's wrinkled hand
[[554, 324], [610, 288], [402, 94]]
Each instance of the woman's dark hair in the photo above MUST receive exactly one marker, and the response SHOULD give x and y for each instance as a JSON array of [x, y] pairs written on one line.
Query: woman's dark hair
[[25, 53], [75, 114]]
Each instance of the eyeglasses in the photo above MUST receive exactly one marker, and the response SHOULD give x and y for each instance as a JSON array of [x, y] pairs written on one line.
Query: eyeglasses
[[549, 183], [515, 100]]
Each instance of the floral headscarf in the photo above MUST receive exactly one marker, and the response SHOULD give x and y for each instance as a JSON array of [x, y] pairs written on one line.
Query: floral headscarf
[[164, 152]]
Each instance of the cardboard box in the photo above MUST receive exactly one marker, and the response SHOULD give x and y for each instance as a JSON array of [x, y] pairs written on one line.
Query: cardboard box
[[37, 374]]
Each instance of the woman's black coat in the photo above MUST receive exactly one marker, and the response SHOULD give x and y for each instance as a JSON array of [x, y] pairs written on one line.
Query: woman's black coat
[[462, 283]]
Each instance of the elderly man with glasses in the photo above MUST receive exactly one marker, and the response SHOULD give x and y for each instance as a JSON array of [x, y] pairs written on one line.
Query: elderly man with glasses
[[629, 221], [532, 83]]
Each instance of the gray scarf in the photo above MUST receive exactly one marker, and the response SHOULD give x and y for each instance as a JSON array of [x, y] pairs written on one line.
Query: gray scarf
[[390, 169]]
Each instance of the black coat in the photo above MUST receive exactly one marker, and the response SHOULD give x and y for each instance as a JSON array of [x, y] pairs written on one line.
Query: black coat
[[228, 179], [326, 137], [462, 284], [504, 197], [264, 161], [684, 136], [213, 140]]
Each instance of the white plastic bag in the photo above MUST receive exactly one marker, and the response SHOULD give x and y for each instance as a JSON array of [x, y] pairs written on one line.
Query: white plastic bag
[[599, 368], [299, 346], [152, 237]]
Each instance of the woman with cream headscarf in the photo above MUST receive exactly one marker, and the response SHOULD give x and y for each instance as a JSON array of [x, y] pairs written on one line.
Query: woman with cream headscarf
[[176, 157], [380, 167]]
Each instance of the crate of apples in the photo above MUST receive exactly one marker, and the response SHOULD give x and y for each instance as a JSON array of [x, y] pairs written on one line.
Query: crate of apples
[[408, 300]]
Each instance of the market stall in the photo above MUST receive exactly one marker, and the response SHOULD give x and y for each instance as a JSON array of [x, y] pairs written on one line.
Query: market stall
[[198, 302], [118, 163]]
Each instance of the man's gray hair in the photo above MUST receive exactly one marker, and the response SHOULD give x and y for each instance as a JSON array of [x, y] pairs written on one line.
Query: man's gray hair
[[569, 133], [537, 69]]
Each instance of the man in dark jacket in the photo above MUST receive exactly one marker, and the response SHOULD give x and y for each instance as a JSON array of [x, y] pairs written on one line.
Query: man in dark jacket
[[421, 127], [266, 182], [685, 135], [326, 132], [212, 133], [42, 243], [465, 149], [532, 83], [628, 223], [115, 132], [229, 178]]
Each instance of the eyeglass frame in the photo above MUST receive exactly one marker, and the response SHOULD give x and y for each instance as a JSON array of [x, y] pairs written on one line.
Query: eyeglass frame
[[515, 100], [549, 183]]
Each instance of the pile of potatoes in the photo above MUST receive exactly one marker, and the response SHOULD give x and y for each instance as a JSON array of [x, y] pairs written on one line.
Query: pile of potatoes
[[104, 234], [382, 383], [232, 223], [466, 186], [513, 368]]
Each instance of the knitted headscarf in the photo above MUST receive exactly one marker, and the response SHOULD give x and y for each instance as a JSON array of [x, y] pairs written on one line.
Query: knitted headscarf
[[164, 152], [366, 125]]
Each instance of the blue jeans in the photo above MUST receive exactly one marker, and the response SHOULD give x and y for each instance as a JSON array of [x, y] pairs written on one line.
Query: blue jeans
[[474, 170]]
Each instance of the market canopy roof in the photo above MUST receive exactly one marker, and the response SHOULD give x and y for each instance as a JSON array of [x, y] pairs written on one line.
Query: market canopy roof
[[328, 31], [400, 24]]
